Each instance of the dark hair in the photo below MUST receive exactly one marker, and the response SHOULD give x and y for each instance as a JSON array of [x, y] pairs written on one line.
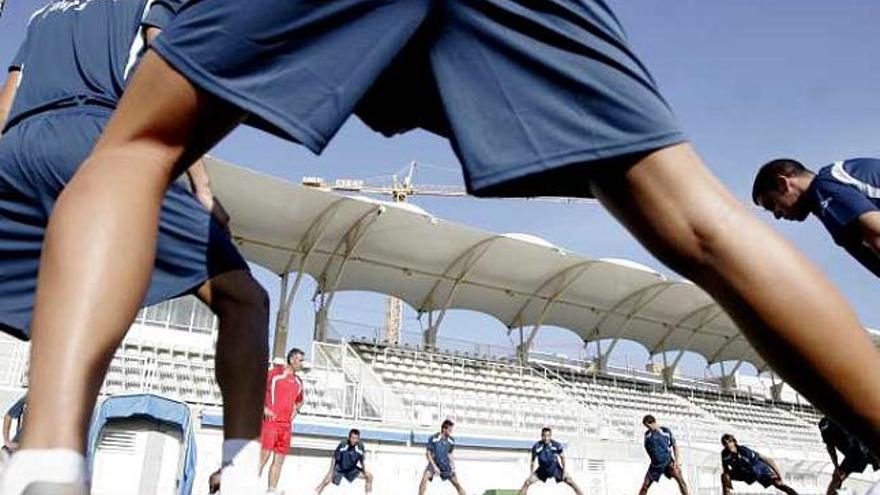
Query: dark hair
[[354, 431], [648, 419], [545, 429], [765, 180], [446, 424], [727, 437], [293, 352]]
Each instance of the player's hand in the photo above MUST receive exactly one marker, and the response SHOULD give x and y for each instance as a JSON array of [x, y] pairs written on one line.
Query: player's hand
[[267, 414]]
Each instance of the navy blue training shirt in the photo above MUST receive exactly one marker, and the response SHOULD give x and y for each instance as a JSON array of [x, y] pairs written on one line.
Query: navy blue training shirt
[[546, 453], [349, 457], [839, 195], [17, 409], [91, 49], [440, 448], [658, 444], [744, 465]]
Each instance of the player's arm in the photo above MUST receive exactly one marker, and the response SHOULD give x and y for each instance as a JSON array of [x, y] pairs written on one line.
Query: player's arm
[[430, 457], [7, 95], [867, 256], [832, 453], [7, 428], [562, 461], [676, 455], [770, 462], [160, 15], [201, 187], [869, 226]]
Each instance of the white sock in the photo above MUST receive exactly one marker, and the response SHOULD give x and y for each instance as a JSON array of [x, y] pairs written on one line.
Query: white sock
[[53, 466]]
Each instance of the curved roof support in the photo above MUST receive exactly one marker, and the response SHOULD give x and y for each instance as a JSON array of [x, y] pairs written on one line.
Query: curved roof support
[[681, 321], [346, 248], [468, 260], [643, 297], [306, 247], [669, 372], [714, 357], [568, 277]]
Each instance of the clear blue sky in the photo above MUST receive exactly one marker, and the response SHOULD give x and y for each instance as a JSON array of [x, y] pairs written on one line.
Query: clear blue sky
[[750, 80]]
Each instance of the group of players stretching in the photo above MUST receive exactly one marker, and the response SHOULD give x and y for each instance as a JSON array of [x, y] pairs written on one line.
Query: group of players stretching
[[740, 463], [284, 397]]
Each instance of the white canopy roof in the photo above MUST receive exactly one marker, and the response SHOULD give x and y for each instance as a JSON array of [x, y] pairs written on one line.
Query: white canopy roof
[[355, 243]]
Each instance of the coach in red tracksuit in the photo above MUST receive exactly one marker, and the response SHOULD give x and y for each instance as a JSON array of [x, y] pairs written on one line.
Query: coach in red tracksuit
[[284, 398]]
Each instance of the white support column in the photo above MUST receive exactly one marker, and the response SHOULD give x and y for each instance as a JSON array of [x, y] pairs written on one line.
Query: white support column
[[307, 246], [328, 282]]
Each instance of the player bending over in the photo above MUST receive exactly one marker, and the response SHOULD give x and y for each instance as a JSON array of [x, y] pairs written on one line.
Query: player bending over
[[284, 399], [740, 463], [348, 463], [551, 463], [663, 452], [440, 460], [843, 196], [536, 98], [856, 455]]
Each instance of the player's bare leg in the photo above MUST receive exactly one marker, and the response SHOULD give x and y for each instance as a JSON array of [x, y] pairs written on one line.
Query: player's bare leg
[[275, 470], [574, 486], [242, 307], [779, 485], [111, 206], [788, 310], [679, 478], [645, 485], [526, 484], [326, 481], [457, 485], [368, 481], [423, 485], [264, 458], [837, 479]]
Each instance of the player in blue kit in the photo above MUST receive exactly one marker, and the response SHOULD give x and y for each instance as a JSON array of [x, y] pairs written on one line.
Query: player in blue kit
[[536, 98], [856, 455], [348, 463], [63, 84], [844, 196], [440, 461], [551, 463], [740, 463], [663, 451]]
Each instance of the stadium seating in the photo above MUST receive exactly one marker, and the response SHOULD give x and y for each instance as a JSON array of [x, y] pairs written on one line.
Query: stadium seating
[[481, 394]]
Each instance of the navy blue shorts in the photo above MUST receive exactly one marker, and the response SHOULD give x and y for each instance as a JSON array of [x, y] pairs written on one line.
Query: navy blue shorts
[[662, 468], [350, 475], [528, 93], [446, 472], [854, 463], [38, 156], [553, 473]]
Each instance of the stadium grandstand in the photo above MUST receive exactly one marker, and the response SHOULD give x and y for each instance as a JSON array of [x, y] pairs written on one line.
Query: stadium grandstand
[[397, 389]]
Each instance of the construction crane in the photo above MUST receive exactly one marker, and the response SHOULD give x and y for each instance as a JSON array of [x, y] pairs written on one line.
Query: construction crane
[[399, 189]]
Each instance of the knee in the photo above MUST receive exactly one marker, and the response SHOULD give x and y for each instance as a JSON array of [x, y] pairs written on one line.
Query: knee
[[368, 477], [240, 292]]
